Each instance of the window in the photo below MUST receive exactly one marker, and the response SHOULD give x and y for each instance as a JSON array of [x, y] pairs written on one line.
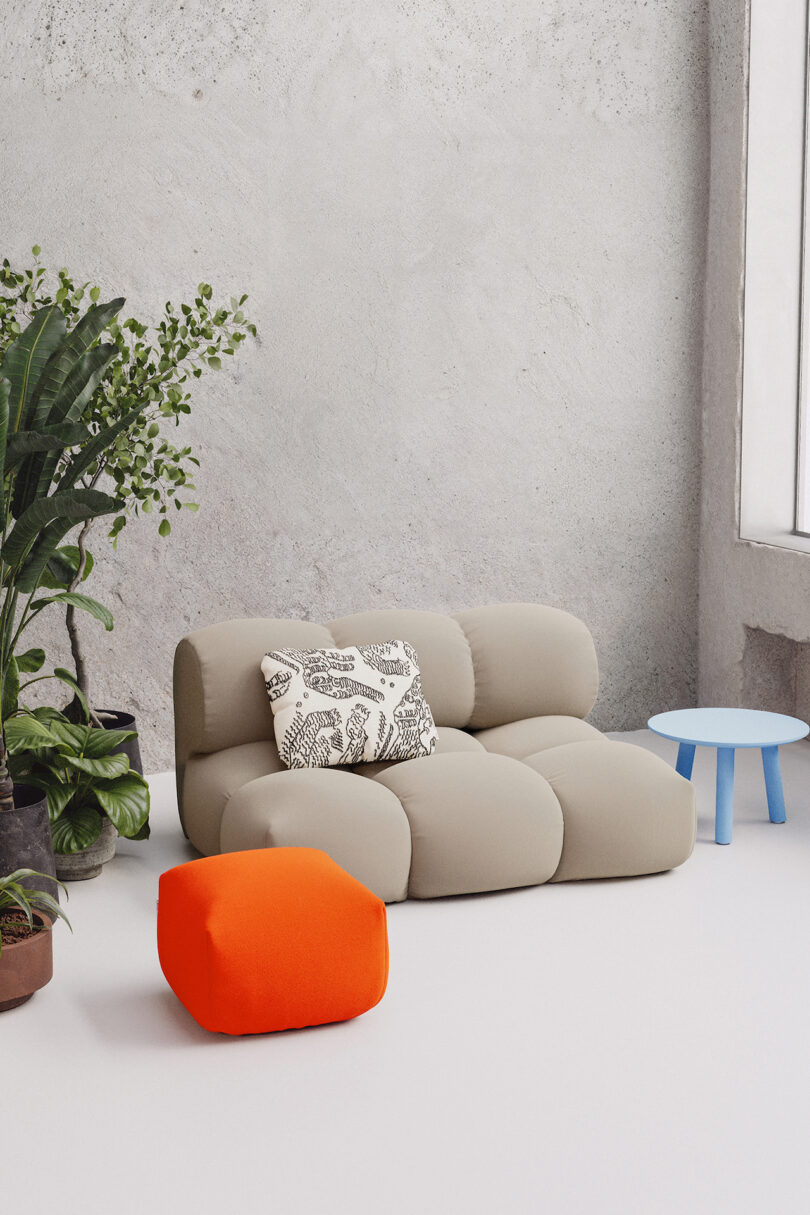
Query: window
[[775, 457]]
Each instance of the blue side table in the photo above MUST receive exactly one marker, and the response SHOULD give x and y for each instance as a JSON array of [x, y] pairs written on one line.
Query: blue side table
[[728, 729]]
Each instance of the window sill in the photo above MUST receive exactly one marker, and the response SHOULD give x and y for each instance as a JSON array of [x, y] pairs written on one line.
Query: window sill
[[794, 541]]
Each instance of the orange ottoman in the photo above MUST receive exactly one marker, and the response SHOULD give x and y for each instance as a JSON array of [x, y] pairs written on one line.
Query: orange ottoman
[[275, 938]]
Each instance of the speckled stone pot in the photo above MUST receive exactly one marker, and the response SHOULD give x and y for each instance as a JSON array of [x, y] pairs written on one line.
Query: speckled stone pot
[[79, 866]]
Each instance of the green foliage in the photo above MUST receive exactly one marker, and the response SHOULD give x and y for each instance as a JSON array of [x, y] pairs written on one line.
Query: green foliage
[[142, 373], [46, 375], [14, 896], [88, 406], [83, 780]]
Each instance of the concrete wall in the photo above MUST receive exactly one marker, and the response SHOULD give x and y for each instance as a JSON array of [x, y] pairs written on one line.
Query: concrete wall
[[743, 586], [473, 236]]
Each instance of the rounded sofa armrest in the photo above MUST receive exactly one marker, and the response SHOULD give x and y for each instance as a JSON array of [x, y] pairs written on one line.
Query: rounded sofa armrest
[[357, 821]]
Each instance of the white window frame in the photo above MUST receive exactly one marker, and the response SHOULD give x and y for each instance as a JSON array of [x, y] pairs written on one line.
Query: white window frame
[[775, 447]]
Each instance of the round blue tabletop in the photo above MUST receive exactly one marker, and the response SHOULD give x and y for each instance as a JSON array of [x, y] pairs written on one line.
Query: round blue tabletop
[[728, 727]]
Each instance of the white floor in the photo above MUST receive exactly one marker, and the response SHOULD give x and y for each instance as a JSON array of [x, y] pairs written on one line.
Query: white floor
[[635, 1046]]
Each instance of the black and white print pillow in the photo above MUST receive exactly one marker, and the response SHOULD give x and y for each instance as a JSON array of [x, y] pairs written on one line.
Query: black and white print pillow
[[352, 706]]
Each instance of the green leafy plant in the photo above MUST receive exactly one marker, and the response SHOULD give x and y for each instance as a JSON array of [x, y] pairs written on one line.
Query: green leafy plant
[[84, 781], [47, 376], [14, 896], [142, 394]]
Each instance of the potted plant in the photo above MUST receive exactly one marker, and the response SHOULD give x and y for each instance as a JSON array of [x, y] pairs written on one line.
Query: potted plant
[[93, 795], [26, 953], [147, 381], [47, 375]]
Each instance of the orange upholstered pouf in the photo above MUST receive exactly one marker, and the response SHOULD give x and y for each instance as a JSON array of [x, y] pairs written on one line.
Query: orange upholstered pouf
[[275, 938]]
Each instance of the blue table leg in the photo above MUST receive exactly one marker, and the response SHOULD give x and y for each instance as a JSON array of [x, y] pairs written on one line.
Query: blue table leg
[[773, 784], [724, 811], [686, 758]]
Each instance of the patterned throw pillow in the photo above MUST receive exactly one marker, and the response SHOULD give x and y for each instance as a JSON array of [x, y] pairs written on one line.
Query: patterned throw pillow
[[351, 706]]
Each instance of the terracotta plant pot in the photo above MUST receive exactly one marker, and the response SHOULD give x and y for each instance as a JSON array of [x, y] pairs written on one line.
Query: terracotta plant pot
[[25, 838], [114, 719], [79, 866], [26, 966]]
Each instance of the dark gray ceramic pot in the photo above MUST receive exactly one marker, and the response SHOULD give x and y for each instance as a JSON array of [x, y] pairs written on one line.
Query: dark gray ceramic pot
[[25, 838], [113, 719]]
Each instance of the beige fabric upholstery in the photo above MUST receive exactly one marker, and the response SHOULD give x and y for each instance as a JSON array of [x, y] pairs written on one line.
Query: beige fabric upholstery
[[219, 695], [626, 811], [533, 734], [519, 789], [211, 779], [529, 661], [445, 664], [477, 822], [448, 742], [359, 823]]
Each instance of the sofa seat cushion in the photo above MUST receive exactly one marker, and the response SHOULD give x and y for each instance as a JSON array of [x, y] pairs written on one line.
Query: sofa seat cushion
[[262, 941], [360, 823], [477, 822], [448, 742], [209, 780], [626, 811], [533, 734]]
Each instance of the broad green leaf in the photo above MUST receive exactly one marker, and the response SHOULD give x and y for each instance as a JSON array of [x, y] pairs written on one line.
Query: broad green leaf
[[107, 766], [35, 476], [71, 739], [112, 739], [61, 569], [103, 742], [59, 438], [58, 795], [91, 741], [28, 731], [68, 678], [75, 599], [11, 689], [64, 358], [40, 555], [26, 358], [126, 802], [31, 661], [81, 382], [74, 506], [143, 833], [76, 829]]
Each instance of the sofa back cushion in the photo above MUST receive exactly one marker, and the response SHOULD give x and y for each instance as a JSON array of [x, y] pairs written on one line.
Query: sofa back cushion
[[219, 695], [444, 658], [529, 661], [482, 667]]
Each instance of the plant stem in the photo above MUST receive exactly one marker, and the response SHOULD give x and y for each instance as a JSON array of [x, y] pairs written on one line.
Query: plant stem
[[82, 678]]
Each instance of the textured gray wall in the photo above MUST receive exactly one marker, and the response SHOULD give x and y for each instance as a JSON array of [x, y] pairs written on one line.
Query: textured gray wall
[[473, 236], [743, 585]]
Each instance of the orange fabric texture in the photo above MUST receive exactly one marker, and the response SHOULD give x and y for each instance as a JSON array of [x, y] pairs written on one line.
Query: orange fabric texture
[[271, 939]]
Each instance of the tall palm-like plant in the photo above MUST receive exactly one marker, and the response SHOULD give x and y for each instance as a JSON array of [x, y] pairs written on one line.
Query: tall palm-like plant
[[47, 376]]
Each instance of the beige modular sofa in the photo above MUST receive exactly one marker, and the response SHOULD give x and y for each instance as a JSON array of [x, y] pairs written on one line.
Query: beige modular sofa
[[519, 790]]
